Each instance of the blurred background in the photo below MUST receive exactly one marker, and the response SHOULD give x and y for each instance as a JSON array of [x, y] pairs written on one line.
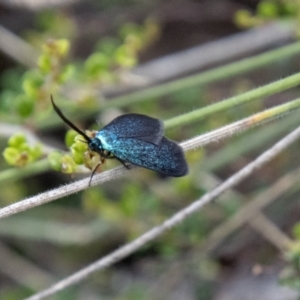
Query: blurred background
[[100, 59]]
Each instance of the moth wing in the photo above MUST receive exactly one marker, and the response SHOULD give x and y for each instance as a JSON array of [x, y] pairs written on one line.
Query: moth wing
[[135, 126], [167, 158]]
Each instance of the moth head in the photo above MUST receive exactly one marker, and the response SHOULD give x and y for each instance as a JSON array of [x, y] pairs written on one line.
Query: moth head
[[95, 145]]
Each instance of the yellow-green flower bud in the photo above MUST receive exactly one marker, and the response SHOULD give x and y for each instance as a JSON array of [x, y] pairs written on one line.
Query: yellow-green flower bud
[[10, 155], [68, 165], [55, 160], [17, 140], [44, 63], [70, 137], [36, 151], [124, 56], [63, 47]]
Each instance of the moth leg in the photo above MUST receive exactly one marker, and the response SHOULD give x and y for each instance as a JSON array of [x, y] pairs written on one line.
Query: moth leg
[[109, 155], [93, 173], [123, 163]]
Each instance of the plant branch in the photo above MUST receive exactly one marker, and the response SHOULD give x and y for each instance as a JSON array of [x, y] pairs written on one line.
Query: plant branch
[[39, 5], [239, 126], [209, 54], [16, 173], [261, 92], [193, 143], [201, 79], [249, 211], [271, 232], [214, 75], [17, 48], [12, 262], [155, 232]]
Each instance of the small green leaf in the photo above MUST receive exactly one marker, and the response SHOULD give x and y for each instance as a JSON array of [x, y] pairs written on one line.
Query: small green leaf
[[31, 83], [296, 230], [66, 73], [44, 63], [97, 64], [63, 47], [24, 105], [124, 57], [268, 9]]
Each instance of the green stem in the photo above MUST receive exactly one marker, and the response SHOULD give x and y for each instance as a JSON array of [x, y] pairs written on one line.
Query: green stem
[[200, 79], [44, 165], [15, 173], [229, 70], [257, 138], [264, 91]]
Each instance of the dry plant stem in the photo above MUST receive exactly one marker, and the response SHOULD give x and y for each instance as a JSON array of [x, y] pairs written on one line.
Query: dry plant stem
[[257, 93], [239, 126], [271, 232], [227, 71], [254, 218], [206, 55], [14, 174], [216, 52], [39, 229], [112, 174], [174, 275], [61, 192], [17, 48], [234, 128], [248, 212], [133, 246], [11, 263], [38, 4]]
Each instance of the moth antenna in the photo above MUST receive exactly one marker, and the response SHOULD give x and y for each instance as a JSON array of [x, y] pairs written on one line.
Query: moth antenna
[[59, 112], [82, 141]]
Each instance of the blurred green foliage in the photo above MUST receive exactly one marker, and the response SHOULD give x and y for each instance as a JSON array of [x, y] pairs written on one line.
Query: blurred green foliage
[[268, 10], [125, 208], [19, 152], [138, 206], [290, 274]]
